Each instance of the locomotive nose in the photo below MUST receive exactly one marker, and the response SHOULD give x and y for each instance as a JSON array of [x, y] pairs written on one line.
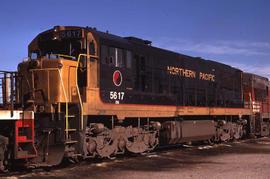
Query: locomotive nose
[[48, 79]]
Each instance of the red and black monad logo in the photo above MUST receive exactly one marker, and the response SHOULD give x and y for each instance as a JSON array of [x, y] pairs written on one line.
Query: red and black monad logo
[[117, 78]]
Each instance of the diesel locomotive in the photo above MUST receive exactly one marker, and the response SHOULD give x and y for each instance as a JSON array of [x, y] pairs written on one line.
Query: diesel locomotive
[[83, 93]]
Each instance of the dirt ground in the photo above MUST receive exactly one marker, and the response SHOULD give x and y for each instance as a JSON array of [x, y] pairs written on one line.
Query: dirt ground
[[244, 159]]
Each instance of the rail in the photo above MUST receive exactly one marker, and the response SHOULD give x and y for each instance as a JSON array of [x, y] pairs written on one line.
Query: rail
[[77, 86], [8, 92], [62, 84], [64, 91], [76, 79]]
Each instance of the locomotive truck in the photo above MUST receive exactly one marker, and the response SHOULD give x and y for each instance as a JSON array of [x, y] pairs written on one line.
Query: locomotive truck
[[83, 93]]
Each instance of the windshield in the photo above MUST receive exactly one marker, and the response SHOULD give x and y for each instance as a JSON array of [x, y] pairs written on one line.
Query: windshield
[[64, 47]]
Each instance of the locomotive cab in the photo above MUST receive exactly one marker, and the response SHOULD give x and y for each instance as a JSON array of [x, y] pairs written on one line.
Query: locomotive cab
[[57, 65]]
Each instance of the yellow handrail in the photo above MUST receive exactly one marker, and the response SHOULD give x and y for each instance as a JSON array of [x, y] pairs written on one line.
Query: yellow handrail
[[65, 94], [77, 86]]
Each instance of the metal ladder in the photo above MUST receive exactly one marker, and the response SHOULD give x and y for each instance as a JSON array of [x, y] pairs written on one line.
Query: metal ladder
[[66, 110], [69, 140]]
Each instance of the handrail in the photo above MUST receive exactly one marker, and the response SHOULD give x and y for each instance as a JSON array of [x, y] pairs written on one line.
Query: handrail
[[65, 94], [8, 94], [77, 86]]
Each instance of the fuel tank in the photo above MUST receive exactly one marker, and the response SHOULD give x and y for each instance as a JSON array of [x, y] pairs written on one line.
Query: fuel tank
[[174, 132]]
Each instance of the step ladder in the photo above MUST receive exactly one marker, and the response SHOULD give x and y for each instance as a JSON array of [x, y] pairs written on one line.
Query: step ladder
[[69, 131], [71, 134], [69, 140], [24, 137]]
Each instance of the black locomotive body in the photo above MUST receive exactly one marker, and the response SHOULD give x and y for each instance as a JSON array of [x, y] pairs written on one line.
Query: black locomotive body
[[149, 75]]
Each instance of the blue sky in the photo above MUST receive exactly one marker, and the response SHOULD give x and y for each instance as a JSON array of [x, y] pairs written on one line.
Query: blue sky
[[235, 32]]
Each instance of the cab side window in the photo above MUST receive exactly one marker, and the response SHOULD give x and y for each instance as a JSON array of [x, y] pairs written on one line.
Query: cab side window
[[128, 59], [115, 57], [119, 57], [92, 49]]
